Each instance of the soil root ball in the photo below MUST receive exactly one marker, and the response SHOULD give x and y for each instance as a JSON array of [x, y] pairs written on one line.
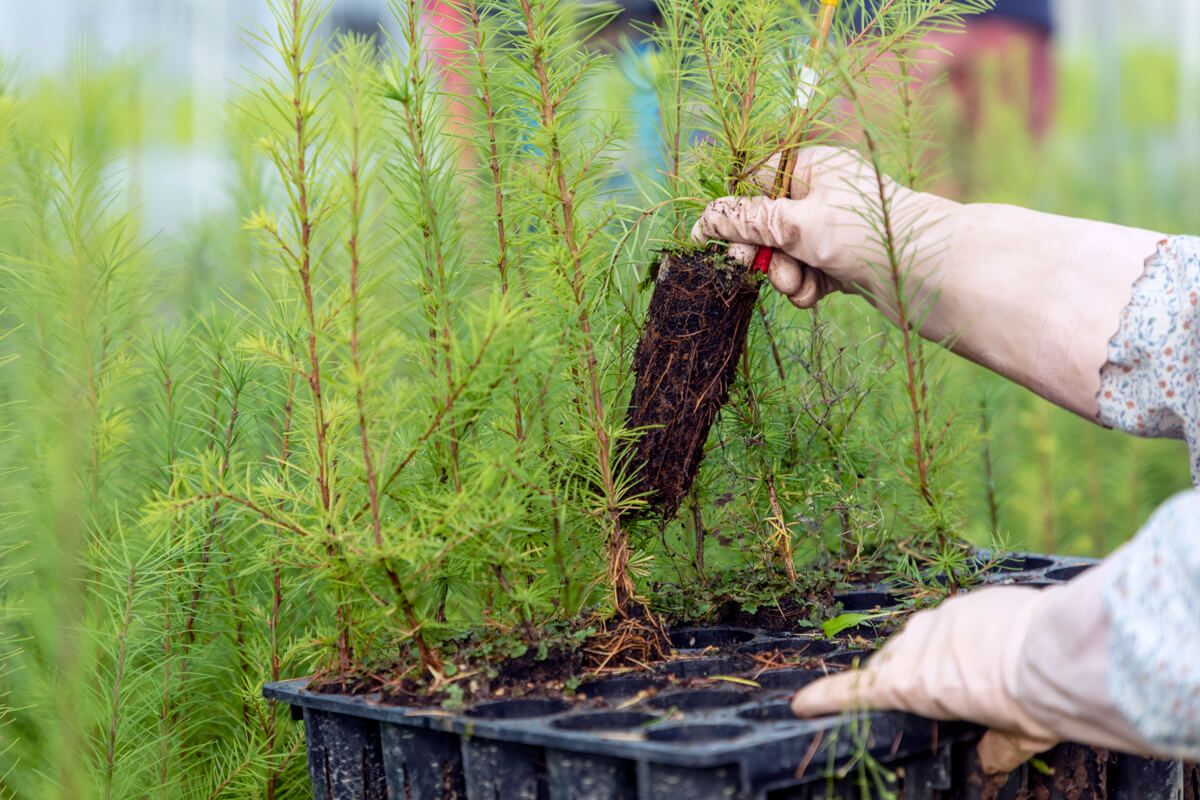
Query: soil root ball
[[695, 332]]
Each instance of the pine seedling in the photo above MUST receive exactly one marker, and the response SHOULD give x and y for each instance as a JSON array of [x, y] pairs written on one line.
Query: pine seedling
[[699, 316], [415, 435], [549, 160], [73, 287], [718, 59], [890, 99]]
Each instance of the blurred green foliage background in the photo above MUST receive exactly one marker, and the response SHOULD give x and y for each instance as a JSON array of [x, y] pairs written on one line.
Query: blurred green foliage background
[[1113, 153], [1036, 478], [1061, 483]]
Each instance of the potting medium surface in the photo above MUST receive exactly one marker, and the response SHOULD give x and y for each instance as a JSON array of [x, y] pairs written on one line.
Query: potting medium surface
[[685, 730], [713, 704]]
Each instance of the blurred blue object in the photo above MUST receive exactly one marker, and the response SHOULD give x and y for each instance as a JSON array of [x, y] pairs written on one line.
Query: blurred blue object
[[1035, 13], [1032, 12], [638, 9]]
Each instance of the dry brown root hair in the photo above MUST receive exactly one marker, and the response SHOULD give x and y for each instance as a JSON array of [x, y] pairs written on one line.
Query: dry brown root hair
[[627, 641]]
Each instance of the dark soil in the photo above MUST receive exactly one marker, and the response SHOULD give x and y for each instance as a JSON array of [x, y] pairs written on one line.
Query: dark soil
[[786, 614], [523, 676], [789, 614], [1076, 773], [514, 685], [695, 332], [618, 646], [528, 676]]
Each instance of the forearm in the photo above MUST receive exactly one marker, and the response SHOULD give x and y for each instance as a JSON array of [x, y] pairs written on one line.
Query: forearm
[[1112, 658], [1037, 298]]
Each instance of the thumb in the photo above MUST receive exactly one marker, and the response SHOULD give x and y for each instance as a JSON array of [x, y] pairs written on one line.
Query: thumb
[[846, 691], [1004, 752], [758, 220], [802, 284]]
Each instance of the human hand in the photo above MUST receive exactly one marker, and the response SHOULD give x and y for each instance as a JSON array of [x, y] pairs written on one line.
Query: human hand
[[1034, 297], [1029, 664], [826, 234], [948, 663]]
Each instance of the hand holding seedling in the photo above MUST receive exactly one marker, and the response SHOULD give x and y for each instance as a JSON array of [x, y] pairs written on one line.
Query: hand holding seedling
[[1032, 296], [822, 224], [1036, 298]]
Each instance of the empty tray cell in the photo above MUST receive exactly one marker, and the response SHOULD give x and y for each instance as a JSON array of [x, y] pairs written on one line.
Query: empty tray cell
[[1015, 563], [771, 712], [426, 763], [1003, 565], [579, 776], [700, 699], [693, 734], [700, 638], [616, 688], [865, 601], [848, 657], [970, 571], [604, 721], [706, 667], [1066, 573], [787, 679], [491, 769], [523, 708], [793, 646], [344, 755]]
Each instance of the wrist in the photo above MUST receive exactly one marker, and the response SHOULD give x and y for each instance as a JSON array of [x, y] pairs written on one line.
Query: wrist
[[924, 239], [1059, 672]]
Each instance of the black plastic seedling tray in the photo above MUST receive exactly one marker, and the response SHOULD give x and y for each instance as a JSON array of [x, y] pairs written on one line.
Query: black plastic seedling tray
[[685, 732]]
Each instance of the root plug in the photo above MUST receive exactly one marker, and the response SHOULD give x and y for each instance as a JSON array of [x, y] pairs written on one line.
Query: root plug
[[695, 332]]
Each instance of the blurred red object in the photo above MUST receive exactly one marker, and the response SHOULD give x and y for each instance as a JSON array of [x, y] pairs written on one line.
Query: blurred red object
[[445, 27], [1025, 55]]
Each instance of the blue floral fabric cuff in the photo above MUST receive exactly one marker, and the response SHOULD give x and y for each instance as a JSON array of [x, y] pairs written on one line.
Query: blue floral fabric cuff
[[1150, 385]]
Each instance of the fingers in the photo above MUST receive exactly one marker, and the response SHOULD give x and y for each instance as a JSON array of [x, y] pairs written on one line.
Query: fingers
[[759, 221], [831, 164], [786, 274], [767, 177], [1004, 752], [857, 690], [810, 162], [749, 223], [743, 254], [802, 285], [846, 691]]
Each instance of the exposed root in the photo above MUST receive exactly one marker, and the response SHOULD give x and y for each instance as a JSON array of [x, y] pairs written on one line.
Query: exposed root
[[638, 641]]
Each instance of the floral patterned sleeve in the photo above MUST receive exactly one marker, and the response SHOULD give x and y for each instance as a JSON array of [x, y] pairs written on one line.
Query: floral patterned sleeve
[[1150, 386]]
